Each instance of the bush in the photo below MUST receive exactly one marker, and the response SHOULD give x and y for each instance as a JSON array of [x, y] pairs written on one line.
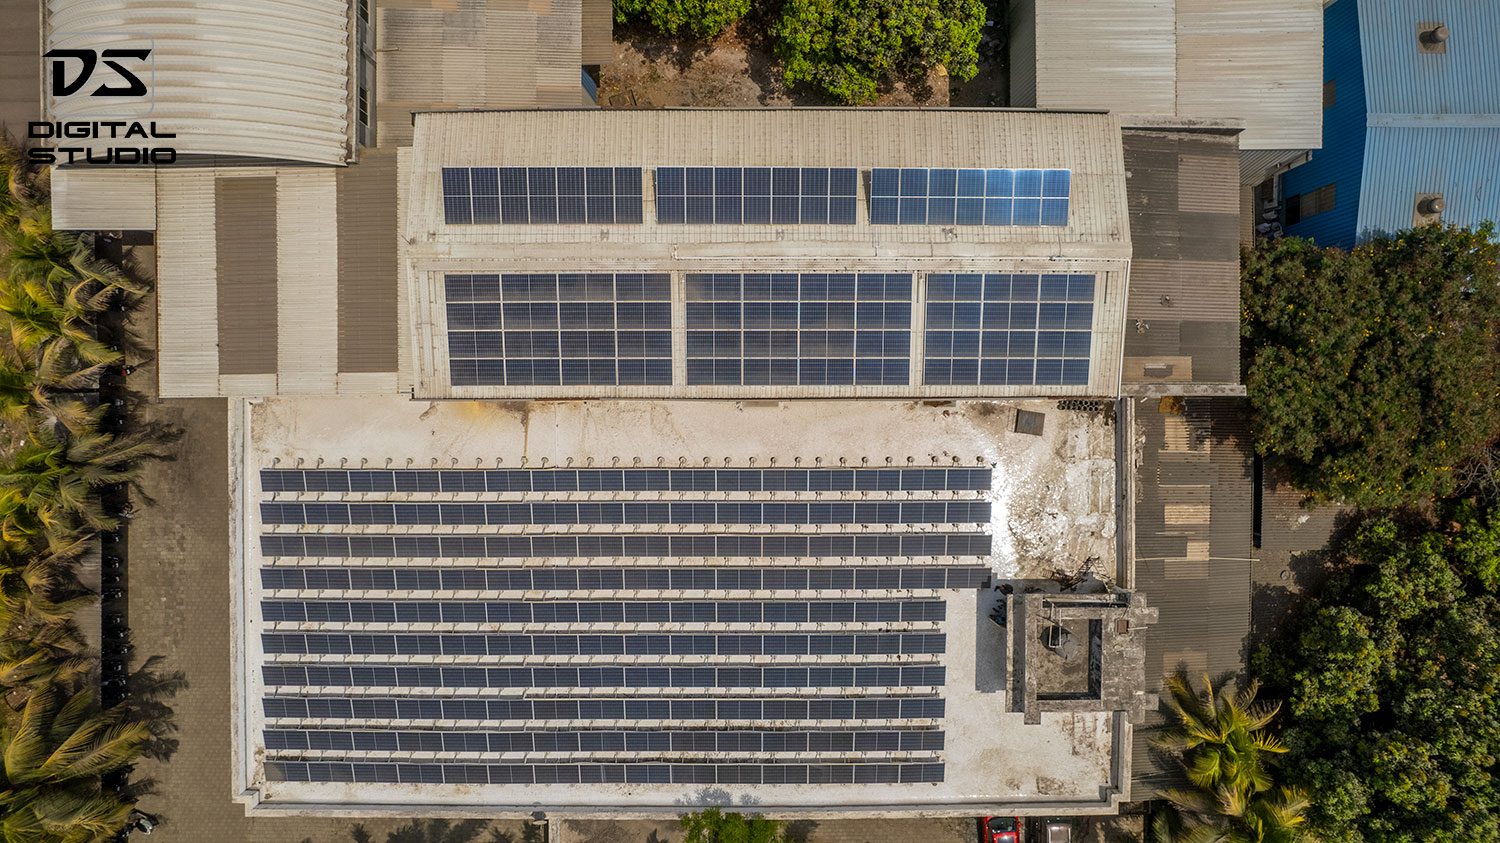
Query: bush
[[1373, 373], [846, 48], [702, 18]]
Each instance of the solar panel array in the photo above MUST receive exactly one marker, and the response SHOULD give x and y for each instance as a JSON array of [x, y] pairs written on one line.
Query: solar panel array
[[915, 196], [518, 329], [1000, 330], [621, 656], [808, 329], [756, 195], [541, 195]]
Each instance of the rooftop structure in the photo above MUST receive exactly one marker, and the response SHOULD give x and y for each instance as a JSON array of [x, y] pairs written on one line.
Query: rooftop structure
[[1413, 122], [1190, 59], [605, 608]]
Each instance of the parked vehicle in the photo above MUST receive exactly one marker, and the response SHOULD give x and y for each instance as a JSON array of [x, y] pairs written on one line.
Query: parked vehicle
[[1002, 830]]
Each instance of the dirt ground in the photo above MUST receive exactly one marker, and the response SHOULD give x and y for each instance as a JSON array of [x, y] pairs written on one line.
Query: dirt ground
[[735, 70]]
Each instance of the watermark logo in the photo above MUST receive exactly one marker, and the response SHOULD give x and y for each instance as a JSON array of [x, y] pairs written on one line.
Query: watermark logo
[[88, 62], [99, 86]]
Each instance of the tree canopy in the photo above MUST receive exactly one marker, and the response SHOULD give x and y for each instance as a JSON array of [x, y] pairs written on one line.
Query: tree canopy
[[846, 48], [715, 826], [1392, 679], [701, 18], [1372, 373]]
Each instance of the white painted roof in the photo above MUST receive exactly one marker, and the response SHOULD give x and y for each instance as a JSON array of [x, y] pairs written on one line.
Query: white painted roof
[[268, 80]]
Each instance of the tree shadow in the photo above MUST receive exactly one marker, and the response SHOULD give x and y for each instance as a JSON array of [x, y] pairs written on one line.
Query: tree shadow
[[797, 831], [150, 691]]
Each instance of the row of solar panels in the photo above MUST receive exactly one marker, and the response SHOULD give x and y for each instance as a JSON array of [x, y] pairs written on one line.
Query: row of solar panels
[[939, 512], [605, 741], [315, 771], [616, 579], [604, 676], [755, 196], [604, 611], [631, 709], [630, 545], [628, 479], [885, 643]]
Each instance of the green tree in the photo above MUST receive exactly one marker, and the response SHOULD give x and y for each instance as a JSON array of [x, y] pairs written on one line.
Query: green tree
[[1372, 373], [54, 755], [847, 48], [715, 826], [700, 18], [1392, 680]]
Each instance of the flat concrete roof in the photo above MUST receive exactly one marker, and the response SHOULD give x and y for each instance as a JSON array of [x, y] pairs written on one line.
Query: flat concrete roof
[[1047, 504]]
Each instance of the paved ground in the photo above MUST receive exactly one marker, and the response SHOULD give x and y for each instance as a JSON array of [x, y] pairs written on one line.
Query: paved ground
[[1292, 557], [959, 830], [179, 608]]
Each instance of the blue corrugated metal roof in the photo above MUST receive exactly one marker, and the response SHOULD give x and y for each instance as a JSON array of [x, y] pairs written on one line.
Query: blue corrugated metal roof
[[1342, 157], [1461, 164], [1401, 80]]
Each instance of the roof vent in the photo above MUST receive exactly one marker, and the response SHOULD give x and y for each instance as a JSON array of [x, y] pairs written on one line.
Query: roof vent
[[1428, 209], [1432, 37]]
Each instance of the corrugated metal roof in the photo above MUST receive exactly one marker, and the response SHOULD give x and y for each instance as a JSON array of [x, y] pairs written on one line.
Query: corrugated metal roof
[[269, 80], [1183, 312], [1117, 54], [1194, 505], [367, 264], [1258, 62], [474, 54], [246, 273], [1461, 164], [254, 265], [1399, 79], [1095, 241], [598, 31], [90, 198], [20, 66]]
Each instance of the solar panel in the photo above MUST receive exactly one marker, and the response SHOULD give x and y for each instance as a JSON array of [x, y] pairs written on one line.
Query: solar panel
[[541, 195], [808, 329], [915, 196], [570, 328], [756, 195], [999, 329], [685, 480]]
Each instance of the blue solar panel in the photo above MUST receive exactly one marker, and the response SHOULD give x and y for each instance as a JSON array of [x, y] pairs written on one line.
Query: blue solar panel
[[998, 330], [756, 195], [541, 195], [570, 328], [915, 196], [812, 329]]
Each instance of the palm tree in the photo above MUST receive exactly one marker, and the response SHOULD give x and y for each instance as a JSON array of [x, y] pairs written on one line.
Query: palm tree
[[55, 754], [1222, 737], [60, 480], [1226, 753]]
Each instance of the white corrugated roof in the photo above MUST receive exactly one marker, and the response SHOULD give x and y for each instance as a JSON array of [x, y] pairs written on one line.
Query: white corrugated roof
[[268, 80], [1260, 62], [86, 199]]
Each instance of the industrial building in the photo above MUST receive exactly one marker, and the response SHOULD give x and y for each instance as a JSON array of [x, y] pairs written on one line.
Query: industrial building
[[1411, 127], [783, 457]]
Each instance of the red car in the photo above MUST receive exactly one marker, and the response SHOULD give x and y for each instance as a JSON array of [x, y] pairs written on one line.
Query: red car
[[1002, 830]]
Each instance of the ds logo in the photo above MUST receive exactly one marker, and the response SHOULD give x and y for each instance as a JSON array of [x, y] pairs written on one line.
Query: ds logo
[[88, 63]]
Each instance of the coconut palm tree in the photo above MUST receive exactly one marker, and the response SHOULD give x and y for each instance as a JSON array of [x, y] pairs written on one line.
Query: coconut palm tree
[[1222, 737], [1226, 751], [55, 754], [60, 480]]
